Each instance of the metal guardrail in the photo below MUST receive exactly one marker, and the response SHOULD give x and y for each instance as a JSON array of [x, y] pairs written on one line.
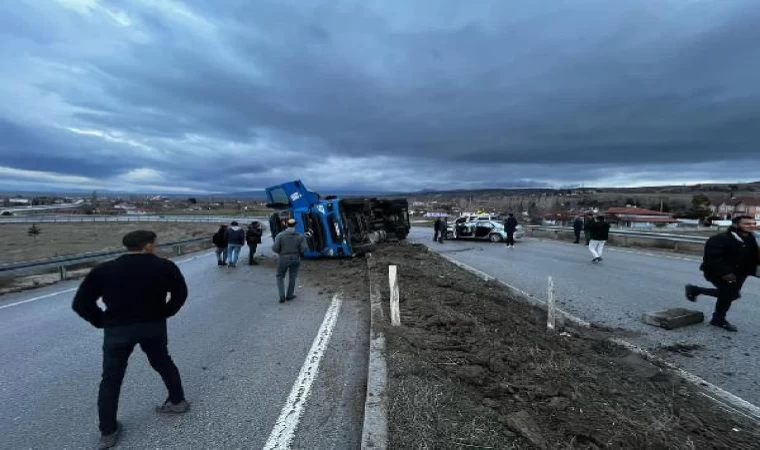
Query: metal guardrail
[[632, 233], [130, 219], [62, 263]]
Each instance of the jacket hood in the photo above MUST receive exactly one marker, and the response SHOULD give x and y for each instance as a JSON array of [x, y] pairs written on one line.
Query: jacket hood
[[235, 227]]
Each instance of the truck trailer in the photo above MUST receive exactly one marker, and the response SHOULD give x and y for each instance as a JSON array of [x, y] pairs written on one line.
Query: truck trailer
[[337, 227]]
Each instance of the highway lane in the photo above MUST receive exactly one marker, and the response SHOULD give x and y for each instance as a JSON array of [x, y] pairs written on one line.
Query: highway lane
[[239, 352], [618, 291]]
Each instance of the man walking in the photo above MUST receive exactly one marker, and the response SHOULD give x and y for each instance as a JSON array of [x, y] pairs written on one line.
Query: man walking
[[599, 234], [253, 239], [437, 227], [289, 245], [235, 241], [577, 228], [443, 230], [728, 259], [220, 241], [134, 289], [510, 226]]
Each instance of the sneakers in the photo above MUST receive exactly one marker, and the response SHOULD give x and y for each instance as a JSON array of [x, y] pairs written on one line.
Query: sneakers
[[173, 408], [110, 440], [724, 324], [596, 260], [691, 292]]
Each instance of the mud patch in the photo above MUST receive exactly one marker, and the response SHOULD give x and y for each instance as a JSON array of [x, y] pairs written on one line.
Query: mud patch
[[472, 367]]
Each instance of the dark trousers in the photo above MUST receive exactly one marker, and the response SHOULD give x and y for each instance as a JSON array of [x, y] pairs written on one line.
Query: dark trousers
[[510, 237], [435, 235], [725, 292], [251, 252], [287, 264], [577, 235], [587, 234], [118, 343]]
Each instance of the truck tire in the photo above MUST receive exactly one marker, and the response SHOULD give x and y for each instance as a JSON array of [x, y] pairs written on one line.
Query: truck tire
[[495, 237]]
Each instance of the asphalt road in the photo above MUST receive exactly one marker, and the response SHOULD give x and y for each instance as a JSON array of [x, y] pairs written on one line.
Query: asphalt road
[[616, 293], [239, 352]]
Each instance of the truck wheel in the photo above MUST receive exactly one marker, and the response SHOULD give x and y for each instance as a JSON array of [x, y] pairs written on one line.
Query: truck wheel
[[450, 235], [495, 237]]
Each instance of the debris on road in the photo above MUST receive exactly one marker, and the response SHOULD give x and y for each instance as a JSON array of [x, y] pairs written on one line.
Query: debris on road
[[673, 318], [472, 367]]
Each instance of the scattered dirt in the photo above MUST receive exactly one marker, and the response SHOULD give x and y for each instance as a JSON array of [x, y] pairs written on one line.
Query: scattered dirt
[[472, 367], [60, 239], [681, 349]]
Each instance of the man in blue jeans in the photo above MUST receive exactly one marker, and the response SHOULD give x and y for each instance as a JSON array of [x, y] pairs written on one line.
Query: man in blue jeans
[[290, 245], [235, 241]]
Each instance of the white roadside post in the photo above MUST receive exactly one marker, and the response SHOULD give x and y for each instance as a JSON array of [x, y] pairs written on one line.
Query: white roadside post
[[393, 281], [550, 317]]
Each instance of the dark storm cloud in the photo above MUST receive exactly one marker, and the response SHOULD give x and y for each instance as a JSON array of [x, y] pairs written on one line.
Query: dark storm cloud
[[443, 94]]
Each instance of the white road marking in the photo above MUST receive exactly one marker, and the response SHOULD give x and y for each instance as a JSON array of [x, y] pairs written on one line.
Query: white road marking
[[34, 299], [285, 428]]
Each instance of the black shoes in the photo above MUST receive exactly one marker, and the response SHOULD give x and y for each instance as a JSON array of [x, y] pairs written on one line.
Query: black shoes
[[221, 263], [596, 260], [282, 299], [110, 440], [691, 292], [724, 324], [290, 297]]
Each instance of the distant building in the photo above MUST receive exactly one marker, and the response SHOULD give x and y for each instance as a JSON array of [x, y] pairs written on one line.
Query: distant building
[[727, 210], [632, 217], [19, 201]]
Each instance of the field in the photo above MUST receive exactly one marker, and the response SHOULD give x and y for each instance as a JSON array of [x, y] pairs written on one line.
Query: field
[[472, 367], [59, 239]]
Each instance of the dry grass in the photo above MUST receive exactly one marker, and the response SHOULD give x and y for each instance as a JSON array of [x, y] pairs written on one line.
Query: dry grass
[[60, 239]]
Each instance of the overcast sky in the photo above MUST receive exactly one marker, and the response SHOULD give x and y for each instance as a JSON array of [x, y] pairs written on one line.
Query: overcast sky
[[235, 95]]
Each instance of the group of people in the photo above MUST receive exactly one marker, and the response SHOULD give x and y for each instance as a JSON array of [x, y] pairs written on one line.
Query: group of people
[[441, 228], [229, 241], [134, 288]]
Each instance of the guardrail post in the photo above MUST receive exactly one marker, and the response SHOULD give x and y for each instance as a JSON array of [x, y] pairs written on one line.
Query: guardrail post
[[62, 272], [177, 250]]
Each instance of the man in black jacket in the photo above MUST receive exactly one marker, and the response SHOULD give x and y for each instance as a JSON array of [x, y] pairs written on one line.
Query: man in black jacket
[[253, 239], [220, 242], [437, 228], [133, 288], [577, 228], [728, 260], [599, 233], [510, 226]]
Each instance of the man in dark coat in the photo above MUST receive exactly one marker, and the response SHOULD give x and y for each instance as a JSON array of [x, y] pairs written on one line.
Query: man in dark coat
[[588, 219], [253, 239], [577, 228], [437, 227], [443, 229], [235, 241], [220, 242], [134, 289], [510, 226], [728, 260], [599, 233]]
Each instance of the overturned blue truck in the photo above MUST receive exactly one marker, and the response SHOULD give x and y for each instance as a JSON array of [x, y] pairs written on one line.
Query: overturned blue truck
[[337, 227]]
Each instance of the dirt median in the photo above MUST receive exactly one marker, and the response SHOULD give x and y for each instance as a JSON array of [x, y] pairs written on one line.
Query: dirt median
[[472, 367]]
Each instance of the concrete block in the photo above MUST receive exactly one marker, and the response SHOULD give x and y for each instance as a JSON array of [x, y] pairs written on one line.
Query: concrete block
[[673, 318]]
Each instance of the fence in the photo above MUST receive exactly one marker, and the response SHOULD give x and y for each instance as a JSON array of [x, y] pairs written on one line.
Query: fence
[[130, 219], [61, 264]]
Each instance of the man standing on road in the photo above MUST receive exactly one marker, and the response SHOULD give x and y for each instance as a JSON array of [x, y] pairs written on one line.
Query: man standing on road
[[510, 226], [588, 220], [728, 259], [443, 230], [599, 234], [134, 289], [577, 228], [289, 245], [235, 241], [437, 227], [220, 241], [253, 239]]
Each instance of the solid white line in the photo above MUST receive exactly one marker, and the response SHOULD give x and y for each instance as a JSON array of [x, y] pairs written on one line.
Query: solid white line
[[285, 428], [34, 299]]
